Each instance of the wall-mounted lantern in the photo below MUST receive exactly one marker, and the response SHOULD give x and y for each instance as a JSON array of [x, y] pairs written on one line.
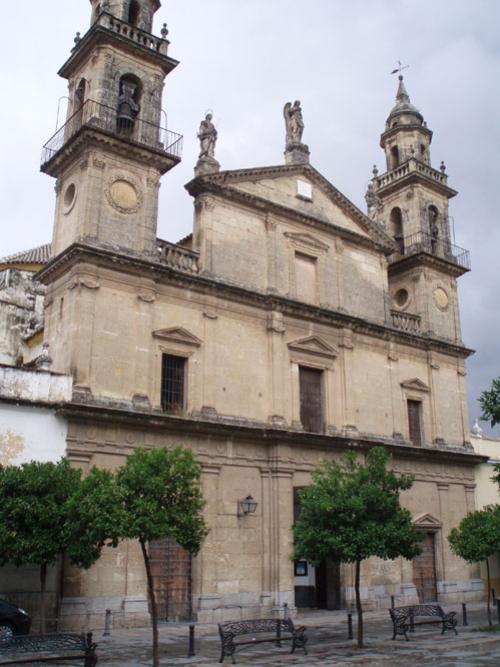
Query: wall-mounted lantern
[[247, 506]]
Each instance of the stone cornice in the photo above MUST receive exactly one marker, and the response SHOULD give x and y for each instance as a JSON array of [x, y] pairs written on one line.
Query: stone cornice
[[421, 259], [99, 35], [99, 412], [220, 184], [141, 266]]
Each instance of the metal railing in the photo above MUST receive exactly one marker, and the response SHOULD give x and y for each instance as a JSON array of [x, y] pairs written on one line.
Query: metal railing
[[177, 257], [421, 242], [141, 37], [99, 116], [405, 321]]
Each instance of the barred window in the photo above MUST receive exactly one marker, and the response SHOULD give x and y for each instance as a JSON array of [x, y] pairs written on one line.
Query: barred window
[[173, 380]]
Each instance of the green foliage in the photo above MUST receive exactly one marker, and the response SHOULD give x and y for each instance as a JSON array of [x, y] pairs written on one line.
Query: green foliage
[[161, 497], [478, 535], [352, 512], [33, 511], [94, 516], [490, 403]]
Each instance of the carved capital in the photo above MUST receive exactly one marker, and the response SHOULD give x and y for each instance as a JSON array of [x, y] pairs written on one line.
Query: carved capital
[[84, 281], [148, 296]]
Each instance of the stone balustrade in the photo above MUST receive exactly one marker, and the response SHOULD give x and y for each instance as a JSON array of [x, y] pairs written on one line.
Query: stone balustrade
[[178, 257], [405, 321], [412, 165], [145, 39]]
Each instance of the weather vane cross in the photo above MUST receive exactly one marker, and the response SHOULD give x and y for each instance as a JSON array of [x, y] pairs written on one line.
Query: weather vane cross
[[400, 68]]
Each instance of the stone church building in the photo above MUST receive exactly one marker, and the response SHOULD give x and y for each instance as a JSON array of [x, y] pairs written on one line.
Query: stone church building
[[287, 328]]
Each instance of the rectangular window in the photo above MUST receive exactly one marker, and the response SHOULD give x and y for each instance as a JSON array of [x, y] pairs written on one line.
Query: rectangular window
[[415, 422], [173, 381], [305, 277], [311, 400]]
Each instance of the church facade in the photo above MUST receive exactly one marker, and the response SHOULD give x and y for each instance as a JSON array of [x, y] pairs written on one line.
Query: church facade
[[287, 328]]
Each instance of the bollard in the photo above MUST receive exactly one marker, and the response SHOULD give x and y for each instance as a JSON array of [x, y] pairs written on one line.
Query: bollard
[[392, 601], [464, 613], [191, 652], [107, 623], [349, 626], [285, 611], [498, 610], [412, 622]]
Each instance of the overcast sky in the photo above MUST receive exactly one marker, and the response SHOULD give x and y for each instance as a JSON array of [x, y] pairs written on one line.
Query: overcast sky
[[244, 59]]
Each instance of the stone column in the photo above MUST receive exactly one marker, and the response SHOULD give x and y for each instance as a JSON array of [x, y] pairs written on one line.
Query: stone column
[[205, 595]]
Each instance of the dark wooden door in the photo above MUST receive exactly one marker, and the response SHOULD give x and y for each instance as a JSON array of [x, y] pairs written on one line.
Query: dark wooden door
[[311, 413], [424, 570], [171, 570], [328, 585], [415, 422]]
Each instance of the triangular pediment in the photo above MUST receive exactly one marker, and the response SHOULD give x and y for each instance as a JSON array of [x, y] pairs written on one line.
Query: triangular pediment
[[415, 384], [427, 521], [313, 345], [178, 335], [307, 240], [278, 186]]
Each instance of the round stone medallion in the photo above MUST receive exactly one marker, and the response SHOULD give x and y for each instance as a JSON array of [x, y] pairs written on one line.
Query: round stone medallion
[[440, 298], [69, 198], [401, 298], [124, 195]]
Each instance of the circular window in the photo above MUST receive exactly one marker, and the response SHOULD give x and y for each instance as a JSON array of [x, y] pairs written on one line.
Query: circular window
[[440, 298], [401, 298], [69, 197], [124, 195]]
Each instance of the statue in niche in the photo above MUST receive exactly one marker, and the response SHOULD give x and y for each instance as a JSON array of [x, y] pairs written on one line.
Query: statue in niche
[[127, 106], [207, 135], [294, 122]]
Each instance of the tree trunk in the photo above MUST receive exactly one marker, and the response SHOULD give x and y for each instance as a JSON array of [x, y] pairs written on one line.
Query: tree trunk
[[489, 591], [43, 586], [359, 609], [152, 602]]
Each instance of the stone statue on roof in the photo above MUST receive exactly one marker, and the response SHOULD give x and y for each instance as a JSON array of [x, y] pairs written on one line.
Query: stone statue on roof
[[207, 135], [294, 122], [296, 152]]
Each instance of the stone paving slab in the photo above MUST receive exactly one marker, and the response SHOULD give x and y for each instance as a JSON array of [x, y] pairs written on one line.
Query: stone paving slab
[[328, 646]]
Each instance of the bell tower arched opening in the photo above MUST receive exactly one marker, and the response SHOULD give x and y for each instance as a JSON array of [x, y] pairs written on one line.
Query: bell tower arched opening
[[134, 10], [396, 228], [129, 98], [394, 157]]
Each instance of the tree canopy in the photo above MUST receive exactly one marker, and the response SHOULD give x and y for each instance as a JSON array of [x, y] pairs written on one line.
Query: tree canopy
[[490, 403], [351, 512], [161, 496], [477, 538]]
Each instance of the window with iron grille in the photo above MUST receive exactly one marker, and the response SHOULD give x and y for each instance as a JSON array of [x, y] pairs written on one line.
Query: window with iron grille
[[415, 422], [311, 400], [173, 382]]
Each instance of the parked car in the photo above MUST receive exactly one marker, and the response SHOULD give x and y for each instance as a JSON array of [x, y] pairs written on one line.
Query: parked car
[[13, 620]]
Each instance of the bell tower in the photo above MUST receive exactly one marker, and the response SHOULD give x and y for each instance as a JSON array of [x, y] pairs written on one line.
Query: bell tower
[[110, 153], [411, 200]]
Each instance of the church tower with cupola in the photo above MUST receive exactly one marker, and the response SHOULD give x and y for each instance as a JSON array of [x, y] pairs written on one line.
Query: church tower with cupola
[[109, 155], [411, 200]]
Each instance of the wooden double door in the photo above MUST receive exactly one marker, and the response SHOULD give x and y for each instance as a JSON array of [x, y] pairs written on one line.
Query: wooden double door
[[424, 570], [171, 570]]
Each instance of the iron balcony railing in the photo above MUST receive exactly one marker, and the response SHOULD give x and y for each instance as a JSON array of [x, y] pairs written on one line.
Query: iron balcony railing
[[99, 116], [421, 242]]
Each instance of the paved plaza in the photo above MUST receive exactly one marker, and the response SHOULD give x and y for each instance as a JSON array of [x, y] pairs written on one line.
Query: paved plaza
[[328, 645]]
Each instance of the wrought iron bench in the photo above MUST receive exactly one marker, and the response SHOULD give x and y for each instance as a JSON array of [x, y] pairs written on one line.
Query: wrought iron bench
[[56, 647], [273, 630], [403, 618]]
